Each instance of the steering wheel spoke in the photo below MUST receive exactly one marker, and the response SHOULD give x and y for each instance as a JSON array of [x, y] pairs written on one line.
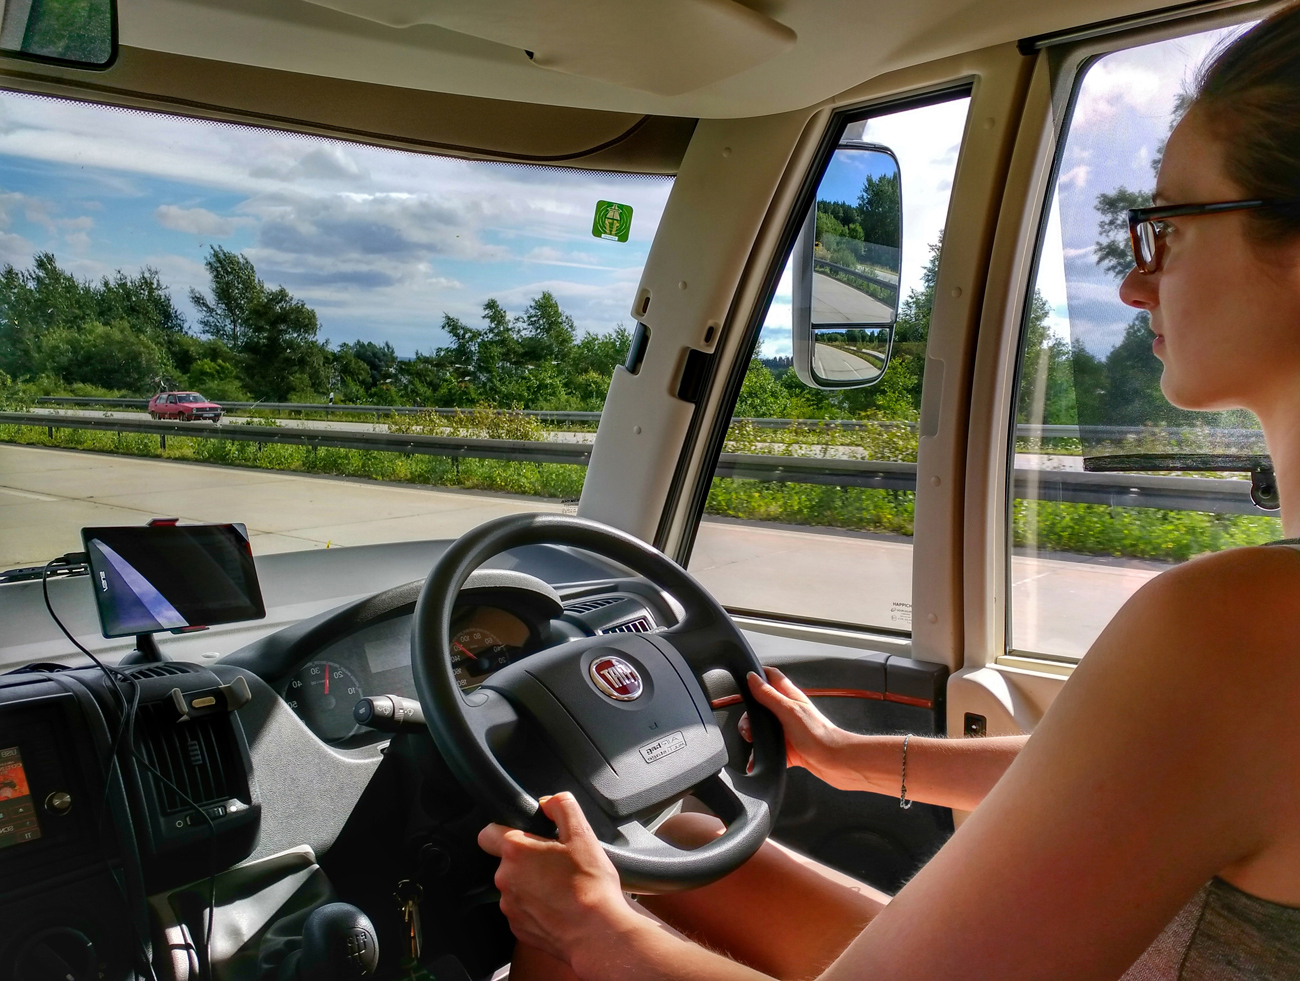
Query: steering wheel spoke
[[636, 836], [720, 794], [491, 717]]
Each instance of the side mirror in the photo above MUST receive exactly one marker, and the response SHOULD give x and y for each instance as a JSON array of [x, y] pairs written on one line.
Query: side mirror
[[82, 33], [846, 265]]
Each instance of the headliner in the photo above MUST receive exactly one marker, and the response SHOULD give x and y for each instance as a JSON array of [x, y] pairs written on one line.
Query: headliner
[[837, 44]]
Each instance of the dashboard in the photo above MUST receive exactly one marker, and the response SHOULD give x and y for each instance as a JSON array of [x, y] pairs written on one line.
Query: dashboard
[[323, 666], [250, 768]]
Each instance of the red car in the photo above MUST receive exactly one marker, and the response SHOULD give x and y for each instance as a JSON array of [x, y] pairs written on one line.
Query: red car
[[185, 406]]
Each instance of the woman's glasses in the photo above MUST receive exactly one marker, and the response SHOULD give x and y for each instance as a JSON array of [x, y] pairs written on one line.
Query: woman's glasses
[[1147, 227]]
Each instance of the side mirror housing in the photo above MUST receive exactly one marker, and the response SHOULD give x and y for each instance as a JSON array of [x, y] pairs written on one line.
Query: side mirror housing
[[80, 33], [846, 268]]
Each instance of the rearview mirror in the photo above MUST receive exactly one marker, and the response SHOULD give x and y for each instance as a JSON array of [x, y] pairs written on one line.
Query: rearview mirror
[[846, 265], [69, 32]]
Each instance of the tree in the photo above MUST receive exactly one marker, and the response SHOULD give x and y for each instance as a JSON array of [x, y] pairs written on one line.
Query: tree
[[880, 213], [829, 221], [1047, 389], [142, 301], [35, 301], [235, 289], [367, 364], [112, 356], [913, 324], [280, 353], [547, 331]]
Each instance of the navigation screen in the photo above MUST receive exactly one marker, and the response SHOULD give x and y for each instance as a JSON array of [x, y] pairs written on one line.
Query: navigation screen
[[17, 813], [169, 577]]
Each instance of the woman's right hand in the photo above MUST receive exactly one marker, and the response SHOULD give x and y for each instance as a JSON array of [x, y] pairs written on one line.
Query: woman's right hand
[[812, 741]]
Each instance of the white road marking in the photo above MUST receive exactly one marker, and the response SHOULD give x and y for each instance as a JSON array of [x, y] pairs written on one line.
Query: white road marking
[[30, 496]]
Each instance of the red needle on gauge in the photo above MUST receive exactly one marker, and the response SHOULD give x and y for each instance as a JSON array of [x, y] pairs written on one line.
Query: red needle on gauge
[[468, 652], [327, 677]]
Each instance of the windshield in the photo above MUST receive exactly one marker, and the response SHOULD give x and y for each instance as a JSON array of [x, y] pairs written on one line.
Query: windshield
[[321, 291]]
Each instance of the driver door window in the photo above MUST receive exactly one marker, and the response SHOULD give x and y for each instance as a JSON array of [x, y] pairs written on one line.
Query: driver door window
[[835, 545], [1082, 543]]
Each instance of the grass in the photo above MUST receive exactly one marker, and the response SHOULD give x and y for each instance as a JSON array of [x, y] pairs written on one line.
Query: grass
[[552, 480], [1087, 529], [1146, 533]]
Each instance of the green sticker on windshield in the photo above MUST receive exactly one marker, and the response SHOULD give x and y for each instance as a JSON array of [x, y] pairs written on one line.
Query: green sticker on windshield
[[613, 221]]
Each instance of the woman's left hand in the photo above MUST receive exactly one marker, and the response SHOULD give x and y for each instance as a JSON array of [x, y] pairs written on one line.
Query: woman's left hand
[[561, 896]]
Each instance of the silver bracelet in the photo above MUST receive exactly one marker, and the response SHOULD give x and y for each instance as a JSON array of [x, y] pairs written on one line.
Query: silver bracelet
[[903, 802]]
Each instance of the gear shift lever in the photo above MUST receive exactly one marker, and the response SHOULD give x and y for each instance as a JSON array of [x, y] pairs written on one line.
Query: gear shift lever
[[339, 943]]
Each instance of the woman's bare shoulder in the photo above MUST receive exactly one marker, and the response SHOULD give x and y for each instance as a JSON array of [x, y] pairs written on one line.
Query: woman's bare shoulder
[[1235, 604]]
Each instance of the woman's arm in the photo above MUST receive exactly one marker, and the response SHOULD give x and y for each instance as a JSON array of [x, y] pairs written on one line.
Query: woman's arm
[[948, 772], [1164, 761], [564, 898], [1167, 759]]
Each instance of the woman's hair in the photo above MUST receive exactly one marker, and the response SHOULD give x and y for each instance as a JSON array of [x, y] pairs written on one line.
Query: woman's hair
[[1249, 93]]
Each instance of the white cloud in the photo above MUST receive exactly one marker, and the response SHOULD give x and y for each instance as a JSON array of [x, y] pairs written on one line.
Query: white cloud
[[196, 221], [330, 162], [550, 255], [15, 250], [1077, 175]]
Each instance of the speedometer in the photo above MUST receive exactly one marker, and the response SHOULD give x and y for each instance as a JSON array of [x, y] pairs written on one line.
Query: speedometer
[[323, 694]]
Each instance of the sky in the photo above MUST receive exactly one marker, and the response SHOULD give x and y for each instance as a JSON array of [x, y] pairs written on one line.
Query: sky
[[1121, 119], [383, 242], [380, 242]]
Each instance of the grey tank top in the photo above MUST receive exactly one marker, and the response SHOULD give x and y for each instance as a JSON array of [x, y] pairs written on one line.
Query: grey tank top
[[1225, 934]]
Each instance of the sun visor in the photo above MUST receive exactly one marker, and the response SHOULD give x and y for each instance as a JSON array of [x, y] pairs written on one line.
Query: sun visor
[[666, 47]]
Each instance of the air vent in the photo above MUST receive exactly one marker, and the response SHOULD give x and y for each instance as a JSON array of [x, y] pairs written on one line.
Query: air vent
[[640, 625], [158, 670], [199, 758], [586, 606]]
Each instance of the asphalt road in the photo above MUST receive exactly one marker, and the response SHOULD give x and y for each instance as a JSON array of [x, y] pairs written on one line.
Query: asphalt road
[[48, 495], [834, 302], [835, 364]]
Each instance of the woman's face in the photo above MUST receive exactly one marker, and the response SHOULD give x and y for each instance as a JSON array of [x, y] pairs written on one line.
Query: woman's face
[[1225, 312]]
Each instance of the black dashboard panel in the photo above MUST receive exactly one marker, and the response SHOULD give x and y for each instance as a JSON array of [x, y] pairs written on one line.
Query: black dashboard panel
[[324, 665]]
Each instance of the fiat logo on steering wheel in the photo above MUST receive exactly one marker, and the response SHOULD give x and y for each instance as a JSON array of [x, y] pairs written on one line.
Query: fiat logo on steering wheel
[[616, 678]]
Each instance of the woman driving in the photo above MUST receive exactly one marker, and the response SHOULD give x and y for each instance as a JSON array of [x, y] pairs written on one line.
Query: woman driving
[[1148, 829]]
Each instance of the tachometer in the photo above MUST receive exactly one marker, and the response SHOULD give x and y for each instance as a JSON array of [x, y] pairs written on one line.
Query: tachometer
[[323, 694]]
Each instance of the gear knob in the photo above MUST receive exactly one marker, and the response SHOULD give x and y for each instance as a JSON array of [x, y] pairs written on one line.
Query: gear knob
[[339, 943]]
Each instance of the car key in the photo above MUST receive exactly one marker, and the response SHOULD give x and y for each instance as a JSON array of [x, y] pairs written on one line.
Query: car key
[[408, 896]]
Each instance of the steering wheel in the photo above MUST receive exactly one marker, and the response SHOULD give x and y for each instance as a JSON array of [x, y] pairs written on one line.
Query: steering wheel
[[625, 715]]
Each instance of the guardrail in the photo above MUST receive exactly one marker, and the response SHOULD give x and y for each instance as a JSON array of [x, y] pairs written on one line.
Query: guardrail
[[327, 408], [1222, 496], [876, 281], [1023, 430]]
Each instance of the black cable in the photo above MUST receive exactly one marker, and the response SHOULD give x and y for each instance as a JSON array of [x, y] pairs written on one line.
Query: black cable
[[128, 710], [126, 727]]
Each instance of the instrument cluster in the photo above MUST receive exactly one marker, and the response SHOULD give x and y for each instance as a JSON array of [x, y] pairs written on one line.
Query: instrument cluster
[[376, 660]]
